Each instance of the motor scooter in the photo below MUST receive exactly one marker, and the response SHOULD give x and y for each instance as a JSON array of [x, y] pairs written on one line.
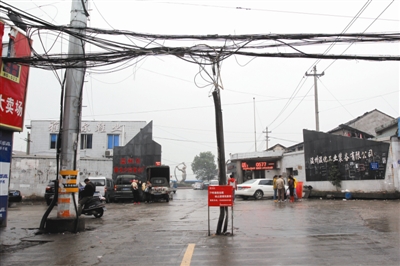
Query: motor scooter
[[94, 207]]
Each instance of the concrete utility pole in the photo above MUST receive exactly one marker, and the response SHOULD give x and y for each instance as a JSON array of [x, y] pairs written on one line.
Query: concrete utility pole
[[67, 198], [316, 96], [266, 138], [223, 211]]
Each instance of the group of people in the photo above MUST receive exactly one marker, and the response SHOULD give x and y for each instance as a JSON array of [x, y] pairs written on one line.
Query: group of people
[[280, 191], [138, 188]]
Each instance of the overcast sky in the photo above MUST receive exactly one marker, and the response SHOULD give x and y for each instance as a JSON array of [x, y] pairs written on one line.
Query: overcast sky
[[168, 91]]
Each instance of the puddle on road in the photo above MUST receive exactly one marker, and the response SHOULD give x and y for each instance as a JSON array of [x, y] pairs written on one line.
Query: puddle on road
[[378, 224]]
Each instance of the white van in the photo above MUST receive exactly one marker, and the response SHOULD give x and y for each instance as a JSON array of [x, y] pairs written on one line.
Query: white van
[[100, 182]]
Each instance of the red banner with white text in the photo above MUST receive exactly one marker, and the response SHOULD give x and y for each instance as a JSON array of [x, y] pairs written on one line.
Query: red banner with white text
[[13, 81]]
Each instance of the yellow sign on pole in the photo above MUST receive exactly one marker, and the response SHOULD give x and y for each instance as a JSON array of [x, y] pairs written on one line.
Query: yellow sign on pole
[[69, 181]]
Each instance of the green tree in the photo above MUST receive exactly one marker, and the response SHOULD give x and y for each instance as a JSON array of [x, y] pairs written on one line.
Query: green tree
[[204, 167], [334, 175]]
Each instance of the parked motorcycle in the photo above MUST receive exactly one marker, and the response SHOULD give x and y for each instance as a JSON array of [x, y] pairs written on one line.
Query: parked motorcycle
[[94, 207]]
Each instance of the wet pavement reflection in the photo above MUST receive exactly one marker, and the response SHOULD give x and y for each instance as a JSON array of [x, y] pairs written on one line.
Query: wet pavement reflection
[[308, 232]]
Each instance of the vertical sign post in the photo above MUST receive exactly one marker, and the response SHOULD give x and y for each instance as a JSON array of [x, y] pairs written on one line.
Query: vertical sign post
[[220, 196], [5, 165]]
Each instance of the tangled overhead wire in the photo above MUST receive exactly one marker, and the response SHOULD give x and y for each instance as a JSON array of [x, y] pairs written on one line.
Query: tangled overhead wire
[[204, 48]]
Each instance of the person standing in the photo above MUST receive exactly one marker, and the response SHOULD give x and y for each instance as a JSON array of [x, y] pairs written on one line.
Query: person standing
[[275, 188], [280, 185], [135, 191], [147, 194], [232, 182], [140, 190], [295, 185], [291, 187]]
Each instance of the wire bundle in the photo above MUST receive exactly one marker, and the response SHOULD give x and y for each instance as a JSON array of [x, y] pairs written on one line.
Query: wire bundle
[[208, 49]]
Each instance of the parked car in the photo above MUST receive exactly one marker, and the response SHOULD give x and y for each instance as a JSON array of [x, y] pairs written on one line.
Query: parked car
[[198, 186], [214, 182], [122, 187], [257, 188], [104, 185], [173, 185], [206, 184], [160, 182], [14, 196], [97, 194], [49, 192], [109, 191]]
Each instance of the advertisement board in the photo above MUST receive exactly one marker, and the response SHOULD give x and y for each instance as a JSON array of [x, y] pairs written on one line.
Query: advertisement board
[[353, 158], [14, 81], [5, 161], [220, 196]]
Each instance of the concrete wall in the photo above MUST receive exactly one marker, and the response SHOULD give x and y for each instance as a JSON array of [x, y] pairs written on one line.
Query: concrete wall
[[30, 174], [294, 160], [390, 184], [395, 169]]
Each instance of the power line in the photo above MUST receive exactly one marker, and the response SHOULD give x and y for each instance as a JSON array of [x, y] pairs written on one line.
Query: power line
[[114, 52]]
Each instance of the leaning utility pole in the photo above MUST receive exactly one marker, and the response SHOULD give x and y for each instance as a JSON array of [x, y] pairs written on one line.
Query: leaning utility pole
[[316, 96], [69, 165], [223, 211]]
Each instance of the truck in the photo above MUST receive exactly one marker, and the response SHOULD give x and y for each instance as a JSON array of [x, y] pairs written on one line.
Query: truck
[[159, 178]]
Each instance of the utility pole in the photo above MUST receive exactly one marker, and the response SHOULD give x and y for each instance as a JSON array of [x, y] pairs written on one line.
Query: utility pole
[[316, 95], [266, 131], [28, 144], [254, 112], [223, 211], [69, 165]]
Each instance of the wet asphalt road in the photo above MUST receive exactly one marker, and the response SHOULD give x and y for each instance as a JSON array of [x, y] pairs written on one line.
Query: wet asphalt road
[[310, 232]]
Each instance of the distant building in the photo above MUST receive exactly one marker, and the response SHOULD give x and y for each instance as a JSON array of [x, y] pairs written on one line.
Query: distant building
[[97, 138], [140, 152], [364, 150], [364, 126], [108, 148], [386, 130]]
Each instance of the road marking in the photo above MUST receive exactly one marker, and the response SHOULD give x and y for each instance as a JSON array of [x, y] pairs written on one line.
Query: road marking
[[188, 255]]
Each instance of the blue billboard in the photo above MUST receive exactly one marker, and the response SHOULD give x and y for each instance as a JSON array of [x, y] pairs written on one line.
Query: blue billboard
[[5, 161]]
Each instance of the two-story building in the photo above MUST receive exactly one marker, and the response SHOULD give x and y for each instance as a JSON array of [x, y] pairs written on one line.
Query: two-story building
[[97, 138]]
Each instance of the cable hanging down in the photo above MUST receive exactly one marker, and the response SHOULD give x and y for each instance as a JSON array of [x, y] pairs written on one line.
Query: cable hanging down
[[108, 51]]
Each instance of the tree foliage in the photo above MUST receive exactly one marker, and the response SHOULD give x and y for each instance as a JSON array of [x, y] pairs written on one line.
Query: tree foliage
[[204, 167], [334, 176]]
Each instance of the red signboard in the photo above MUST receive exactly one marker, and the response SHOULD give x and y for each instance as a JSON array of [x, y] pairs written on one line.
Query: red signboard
[[129, 165], [220, 196], [257, 165], [13, 81]]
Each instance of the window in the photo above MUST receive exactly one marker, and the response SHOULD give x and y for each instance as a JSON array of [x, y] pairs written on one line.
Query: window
[[112, 141], [266, 182], [98, 182], [259, 174], [86, 141], [53, 141]]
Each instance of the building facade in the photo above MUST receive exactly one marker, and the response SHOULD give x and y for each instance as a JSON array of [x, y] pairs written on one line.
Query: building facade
[[97, 138], [365, 151]]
